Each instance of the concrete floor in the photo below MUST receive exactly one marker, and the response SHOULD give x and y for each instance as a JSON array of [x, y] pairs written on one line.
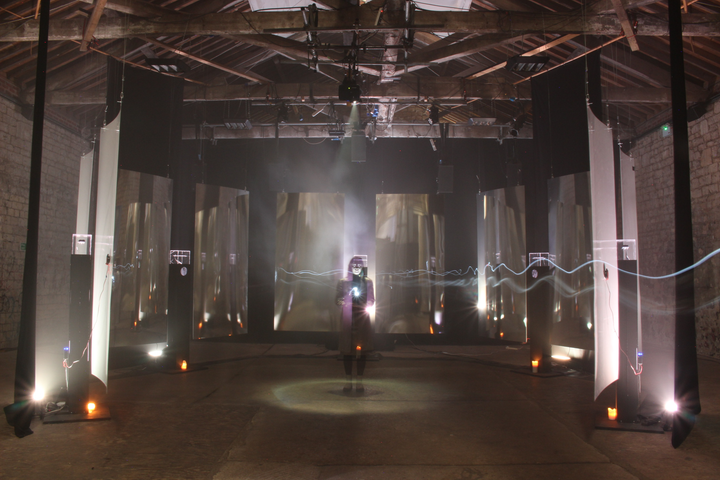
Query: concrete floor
[[278, 412]]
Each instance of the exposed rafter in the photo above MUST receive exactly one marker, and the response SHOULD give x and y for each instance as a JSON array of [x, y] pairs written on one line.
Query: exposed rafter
[[253, 77], [534, 51], [264, 57], [92, 24], [361, 19], [626, 24]]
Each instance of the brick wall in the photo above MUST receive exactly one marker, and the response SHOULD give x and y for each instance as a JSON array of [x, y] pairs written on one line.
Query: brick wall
[[61, 160], [654, 183]]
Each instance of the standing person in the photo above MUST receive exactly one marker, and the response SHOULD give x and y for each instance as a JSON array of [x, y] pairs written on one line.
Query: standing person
[[355, 295]]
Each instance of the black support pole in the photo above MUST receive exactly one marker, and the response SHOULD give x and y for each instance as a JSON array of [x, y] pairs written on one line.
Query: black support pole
[[25, 367], [686, 373]]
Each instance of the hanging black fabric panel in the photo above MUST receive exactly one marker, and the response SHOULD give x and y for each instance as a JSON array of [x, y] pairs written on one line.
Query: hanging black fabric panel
[[151, 121], [559, 114]]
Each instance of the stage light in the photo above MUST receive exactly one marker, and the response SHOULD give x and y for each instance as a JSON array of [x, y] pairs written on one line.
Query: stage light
[[336, 134], [91, 407], [589, 325], [612, 413], [561, 357], [349, 90], [434, 115], [155, 353], [38, 394], [535, 364], [370, 309], [183, 366], [671, 406]]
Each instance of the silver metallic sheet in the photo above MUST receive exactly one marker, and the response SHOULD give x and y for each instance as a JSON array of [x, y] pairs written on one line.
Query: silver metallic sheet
[[501, 261], [308, 261], [220, 278], [606, 250], [410, 249], [571, 245], [142, 246]]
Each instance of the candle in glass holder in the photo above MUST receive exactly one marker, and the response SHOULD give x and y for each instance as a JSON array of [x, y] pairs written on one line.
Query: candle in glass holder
[[535, 364], [612, 413]]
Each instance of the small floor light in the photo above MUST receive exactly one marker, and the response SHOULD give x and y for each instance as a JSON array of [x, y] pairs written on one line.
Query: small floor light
[[612, 413], [91, 407], [184, 365], [535, 364], [38, 394]]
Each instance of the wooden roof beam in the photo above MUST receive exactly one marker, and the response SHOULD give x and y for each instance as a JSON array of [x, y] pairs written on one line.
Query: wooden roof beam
[[462, 48], [363, 20], [534, 51], [136, 8], [627, 27], [293, 48], [92, 24], [253, 77]]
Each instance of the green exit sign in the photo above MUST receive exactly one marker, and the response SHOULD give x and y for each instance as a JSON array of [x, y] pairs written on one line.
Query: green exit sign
[[23, 246]]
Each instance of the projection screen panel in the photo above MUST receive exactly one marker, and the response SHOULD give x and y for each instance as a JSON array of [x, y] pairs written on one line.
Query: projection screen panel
[[605, 249], [410, 248], [501, 261], [221, 266], [570, 231], [308, 261], [104, 230], [142, 247]]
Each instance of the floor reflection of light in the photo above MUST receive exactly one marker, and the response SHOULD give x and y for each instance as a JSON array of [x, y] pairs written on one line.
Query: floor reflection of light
[[381, 396]]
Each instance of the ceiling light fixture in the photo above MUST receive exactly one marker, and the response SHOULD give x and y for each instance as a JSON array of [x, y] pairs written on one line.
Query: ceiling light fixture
[[482, 121], [531, 64], [237, 124], [168, 65], [349, 91]]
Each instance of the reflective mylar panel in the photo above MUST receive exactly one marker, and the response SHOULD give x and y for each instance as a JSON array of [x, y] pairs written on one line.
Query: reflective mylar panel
[[220, 276], [410, 250], [308, 261], [501, 263], [571, 245], [142, 247]]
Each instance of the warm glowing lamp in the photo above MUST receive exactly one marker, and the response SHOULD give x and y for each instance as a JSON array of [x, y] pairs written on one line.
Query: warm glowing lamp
[[535, 364], [612, 413], [91, 407], [358, 347], [38, 394], [184, 365]]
